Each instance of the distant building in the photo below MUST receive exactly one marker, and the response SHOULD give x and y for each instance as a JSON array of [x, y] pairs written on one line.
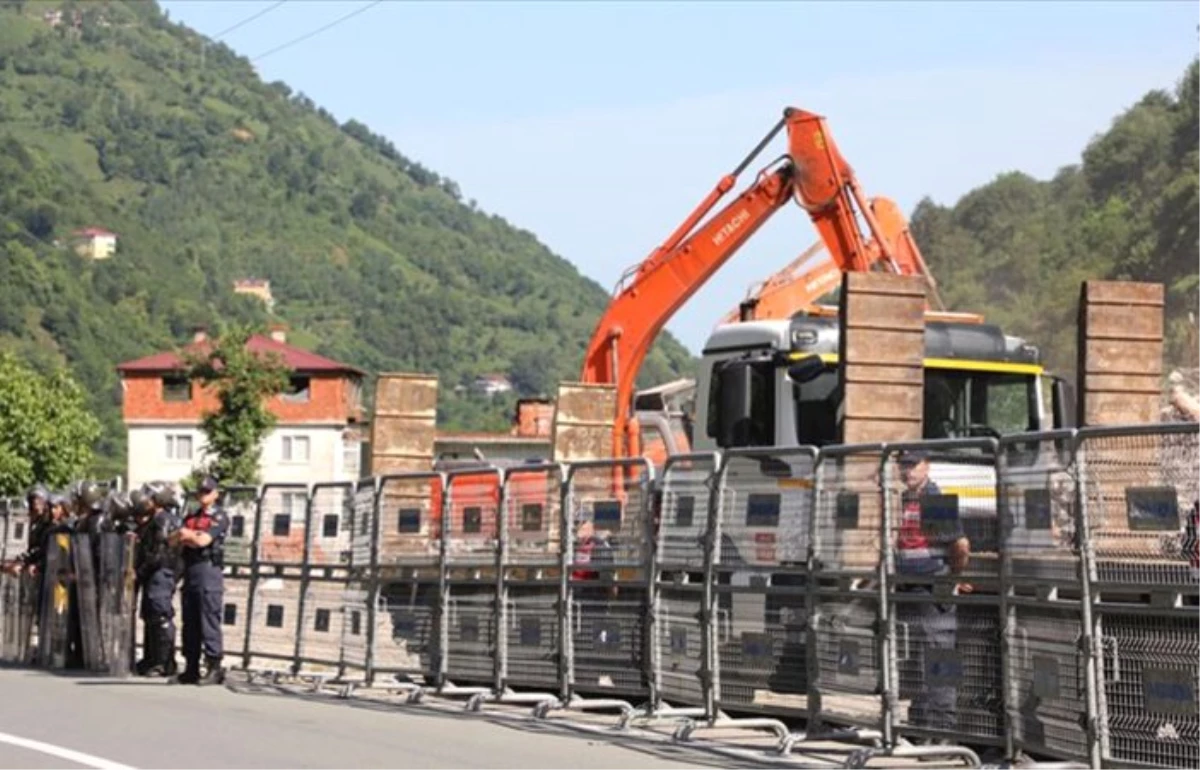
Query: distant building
[[491, 384], [94, 243], [529, 440], [256, 287], [316, 438]]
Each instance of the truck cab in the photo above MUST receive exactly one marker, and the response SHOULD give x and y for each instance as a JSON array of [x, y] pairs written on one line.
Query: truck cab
[[775, 383]]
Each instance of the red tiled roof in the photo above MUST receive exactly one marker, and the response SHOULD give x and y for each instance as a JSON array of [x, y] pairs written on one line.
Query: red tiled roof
[[295, 358], [93, 231]]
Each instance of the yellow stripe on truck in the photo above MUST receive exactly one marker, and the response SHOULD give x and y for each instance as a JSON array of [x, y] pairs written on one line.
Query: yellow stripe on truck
[[959, 364], [975, 493]]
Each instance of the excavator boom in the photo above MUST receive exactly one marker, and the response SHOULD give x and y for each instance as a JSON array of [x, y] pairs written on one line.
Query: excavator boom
[[816, 175]]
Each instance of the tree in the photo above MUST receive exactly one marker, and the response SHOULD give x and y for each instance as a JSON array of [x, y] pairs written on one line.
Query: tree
[[46, 430], [243, 380]]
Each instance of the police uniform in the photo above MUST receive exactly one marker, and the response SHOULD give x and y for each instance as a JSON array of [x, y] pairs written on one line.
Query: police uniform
[[203, 592], [157, 567]]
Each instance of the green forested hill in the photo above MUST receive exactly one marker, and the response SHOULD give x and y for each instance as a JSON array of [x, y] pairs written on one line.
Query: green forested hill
[[129, 122], [1016, 249]]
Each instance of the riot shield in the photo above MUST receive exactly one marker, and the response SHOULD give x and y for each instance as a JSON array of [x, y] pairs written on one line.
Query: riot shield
[[115, 579], [54, 626], [87, 594], [18, 602]]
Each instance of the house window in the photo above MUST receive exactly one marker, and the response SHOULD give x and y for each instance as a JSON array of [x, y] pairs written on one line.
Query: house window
[[237, 525], [282, 525], [299, 390], [275, 615], [322, 622], [19, 531], [355, 623], [179, 447], [176, 389], [231, 614], [295, 449], [329, 526]]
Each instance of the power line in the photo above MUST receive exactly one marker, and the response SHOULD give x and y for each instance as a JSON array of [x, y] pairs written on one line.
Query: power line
[[318, 31], [246, 21]]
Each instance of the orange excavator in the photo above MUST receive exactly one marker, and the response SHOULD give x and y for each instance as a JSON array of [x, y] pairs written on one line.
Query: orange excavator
[[806, 279], [815, 175]]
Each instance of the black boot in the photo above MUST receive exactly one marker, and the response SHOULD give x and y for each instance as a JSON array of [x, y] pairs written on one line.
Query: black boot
[[166, 651], [213, 674], [191, 674], [150, 653]]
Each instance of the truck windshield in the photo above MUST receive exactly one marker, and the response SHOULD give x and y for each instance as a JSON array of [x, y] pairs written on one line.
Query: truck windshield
[[957, 404]]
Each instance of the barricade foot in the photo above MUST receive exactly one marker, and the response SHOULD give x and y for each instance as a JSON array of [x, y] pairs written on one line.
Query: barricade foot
[[508, 697], [860, 758], [582, 704], [874, 738], [651, 714], [688, 729]]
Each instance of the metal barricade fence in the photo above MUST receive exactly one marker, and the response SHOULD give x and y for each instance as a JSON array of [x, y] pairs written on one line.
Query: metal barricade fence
[[240, 503], [1140, 504], [276, 586], [681, 661], [470, 620], [362, 586], [1045, 674], [531, 615], [325, 606], [761, 581], [407, 606], [944, 605], [847, 593], [607, 531]]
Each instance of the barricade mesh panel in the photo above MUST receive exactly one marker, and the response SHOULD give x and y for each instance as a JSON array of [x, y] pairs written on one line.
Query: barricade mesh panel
[[532, 519], [241, 505], [355, 613], [321, 628], [846, 630], [761, 575], [406, 628], [474, 516], [332, 518], [607, 582], [1150, 670], [471, 630], [233, 619], [947, 651], [410, 520], [15, 530], [609, 640], [679, 644], [678, 667], [686, 488], [532, 636], [1046, 673], [18, 603], [364, 522], [1141, 497], [282, 514], [274, 624]]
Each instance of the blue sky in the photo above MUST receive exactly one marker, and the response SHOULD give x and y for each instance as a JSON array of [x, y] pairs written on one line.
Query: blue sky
[[599, 126]]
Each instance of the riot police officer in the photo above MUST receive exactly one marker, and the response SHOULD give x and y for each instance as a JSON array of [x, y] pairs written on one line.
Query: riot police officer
[[157, 567], [202, 539]]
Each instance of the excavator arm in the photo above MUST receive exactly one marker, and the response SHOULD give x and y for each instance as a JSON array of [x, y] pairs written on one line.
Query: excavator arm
[[814, 173]]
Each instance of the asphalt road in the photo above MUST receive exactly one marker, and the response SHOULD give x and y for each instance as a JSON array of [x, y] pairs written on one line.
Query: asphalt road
[[134, 723]]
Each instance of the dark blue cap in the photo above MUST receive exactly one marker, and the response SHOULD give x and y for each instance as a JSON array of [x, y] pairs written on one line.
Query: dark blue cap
[[207, 484], [913, 456]]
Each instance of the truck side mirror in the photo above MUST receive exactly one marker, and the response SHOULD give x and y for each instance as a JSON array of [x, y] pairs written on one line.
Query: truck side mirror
[[1062, 399], [806, 369]]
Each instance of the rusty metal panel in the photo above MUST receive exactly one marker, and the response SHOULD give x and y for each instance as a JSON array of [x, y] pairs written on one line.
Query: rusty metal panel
[[583, 421], [1120, 348], [404, 424], [881, 360]]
